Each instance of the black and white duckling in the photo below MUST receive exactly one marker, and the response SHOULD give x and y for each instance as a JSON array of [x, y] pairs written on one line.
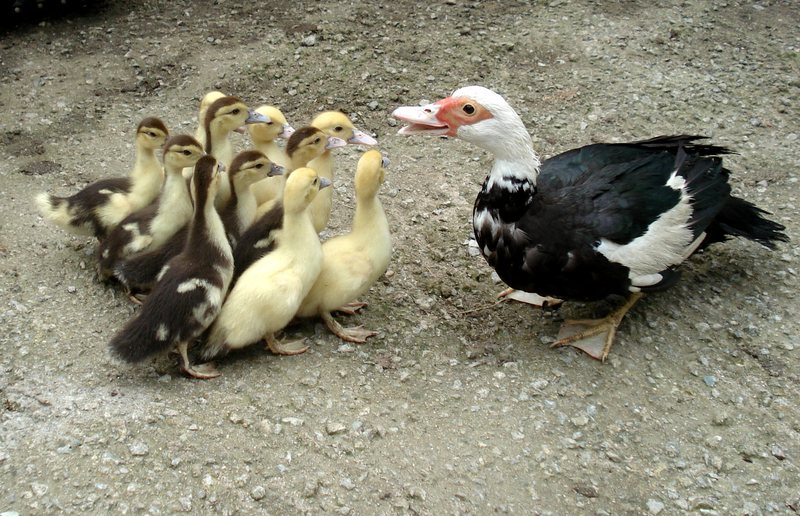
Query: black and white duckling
[[336, 124], [222, 117], [352, 263], [150, 227], [191, 286], [103, 204], [267, 295], [303, 146], [247, 168]]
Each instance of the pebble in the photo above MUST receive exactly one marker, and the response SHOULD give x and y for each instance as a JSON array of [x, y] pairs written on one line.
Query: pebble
[[778, 452], [586, 489], [335, 428], [309, 41], [139, 449], [654, 506], [710, 380], [581, 420], [258, 493], [347, 483]]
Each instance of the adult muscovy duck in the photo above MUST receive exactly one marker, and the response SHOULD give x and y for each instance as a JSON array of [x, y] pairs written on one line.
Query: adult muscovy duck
[[594, 221]]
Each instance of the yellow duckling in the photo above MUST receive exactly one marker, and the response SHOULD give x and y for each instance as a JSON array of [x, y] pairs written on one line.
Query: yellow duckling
[[248, 168], [332, 123], [352, 263], [263, 135], [191, 287], [268, 293], [150, 227], [304, 145], [222, 117], [99, 207]]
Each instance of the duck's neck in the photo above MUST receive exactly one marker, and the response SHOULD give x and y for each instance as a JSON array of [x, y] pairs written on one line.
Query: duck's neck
[[323, 164], [147, 174], [245, 202], [515, 161], [369, 218], [207, 229], [218, 145], [299, 229]]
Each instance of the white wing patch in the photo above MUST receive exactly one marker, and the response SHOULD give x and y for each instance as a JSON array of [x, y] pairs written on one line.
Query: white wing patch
[[163, 332], [194, 283], [665, 242]]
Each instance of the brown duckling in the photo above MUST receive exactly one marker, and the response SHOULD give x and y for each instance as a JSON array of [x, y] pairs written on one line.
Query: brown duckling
[[352, 263], [150, 227], [99, 207], [247, 168], [191, 286]]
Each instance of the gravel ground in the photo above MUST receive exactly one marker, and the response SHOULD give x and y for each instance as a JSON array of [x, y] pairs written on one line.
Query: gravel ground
[[458, 406]]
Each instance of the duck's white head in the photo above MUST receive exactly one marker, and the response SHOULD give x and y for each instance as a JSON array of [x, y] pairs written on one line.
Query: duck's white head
[[474, 114]]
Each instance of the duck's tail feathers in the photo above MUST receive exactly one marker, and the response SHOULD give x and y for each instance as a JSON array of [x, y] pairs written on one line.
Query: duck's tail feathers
[[741, 218], [213, 343], [57, 210], [139, 339], [687, 142]]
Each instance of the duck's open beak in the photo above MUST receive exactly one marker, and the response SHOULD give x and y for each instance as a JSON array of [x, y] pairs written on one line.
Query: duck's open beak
[[421, 120], [362, 138], [334, 142]]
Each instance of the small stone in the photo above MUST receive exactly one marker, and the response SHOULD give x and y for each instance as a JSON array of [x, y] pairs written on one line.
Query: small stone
[[258, 493], [750, 509], [581, 420], [39, 489], [710, 380], [139, 449], [373, 105], [347, 484], [654, 506], [72, 289], [778, 452], [586, 489], [417, 492], [335, 428], [309, 41], [294, 421]]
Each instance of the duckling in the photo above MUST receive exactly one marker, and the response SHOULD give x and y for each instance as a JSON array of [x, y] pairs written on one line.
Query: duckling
[[264, 135], [96, 209], [205, 102], [154, 224], [223, 116], [191, 286], [248, 168], [304, 145], [332, 123], [137, 274], [269, 292], [352, 263]]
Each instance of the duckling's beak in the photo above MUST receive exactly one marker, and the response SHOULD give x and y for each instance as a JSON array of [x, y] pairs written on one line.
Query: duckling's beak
[[288, 130], [324, 182], [276, 170], [334, 142], [254, 117], [421, 120], [362, 138], [385, 162]]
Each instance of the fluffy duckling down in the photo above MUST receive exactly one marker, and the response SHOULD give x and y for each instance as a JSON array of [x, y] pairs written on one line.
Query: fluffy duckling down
[[264, 135], [352, 263], [268, 293], [208, 99], [99, 207], [191, 286], [150, 227], [335, 124]]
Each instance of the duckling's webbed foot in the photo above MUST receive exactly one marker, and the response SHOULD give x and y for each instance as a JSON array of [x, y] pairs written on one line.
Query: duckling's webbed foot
[[356, 334], [594, 336], [530, 298], [200, 371], [351, 308], [294, 347]]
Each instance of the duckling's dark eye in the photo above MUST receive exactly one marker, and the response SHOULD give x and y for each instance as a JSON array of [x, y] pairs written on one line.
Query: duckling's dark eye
[[469, 109], [236, 111], [260, 165], [318, 140], [270, 122], [338, 128], [187, 152], [151, 133]]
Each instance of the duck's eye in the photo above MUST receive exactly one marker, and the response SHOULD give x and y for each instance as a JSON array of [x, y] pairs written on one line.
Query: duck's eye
[[270, 122], [318, 140], [469, 109], [260, 165], [187, 152], [236, 111], [338, 128]]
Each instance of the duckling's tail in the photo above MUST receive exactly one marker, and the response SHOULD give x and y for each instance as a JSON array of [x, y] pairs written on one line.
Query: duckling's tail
[[213, 342], [57, 210], [140, 338]]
